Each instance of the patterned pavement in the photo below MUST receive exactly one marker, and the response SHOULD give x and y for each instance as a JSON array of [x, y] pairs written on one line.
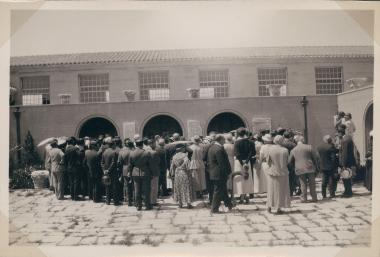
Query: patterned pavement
[[37, 218]]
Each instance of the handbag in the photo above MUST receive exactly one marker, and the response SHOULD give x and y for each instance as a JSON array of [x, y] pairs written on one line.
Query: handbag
[[269, 167]]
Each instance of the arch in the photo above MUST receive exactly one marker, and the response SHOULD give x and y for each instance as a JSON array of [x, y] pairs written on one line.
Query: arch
[[161, 124], [95, 125], [225, 121], [368, 123]]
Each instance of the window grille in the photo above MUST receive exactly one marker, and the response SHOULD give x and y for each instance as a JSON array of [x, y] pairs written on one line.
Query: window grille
[[35, 90], [94, 88], [329, 80], [154, 85], [272, 76]]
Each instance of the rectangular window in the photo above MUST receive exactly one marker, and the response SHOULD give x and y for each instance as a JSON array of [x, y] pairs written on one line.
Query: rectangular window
[[64, 98], [35, 90], [154, 85], [329, 80], [213, 83], [272, 76], [94, 88]]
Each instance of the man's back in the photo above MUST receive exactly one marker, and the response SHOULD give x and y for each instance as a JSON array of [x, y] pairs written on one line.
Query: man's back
[[109, 159], [304, 158], [92, 160], [140, 162], [71, 158], [327, 156], [218, 163]]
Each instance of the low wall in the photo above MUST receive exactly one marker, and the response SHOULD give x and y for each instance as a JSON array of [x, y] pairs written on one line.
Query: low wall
[[58, 120]]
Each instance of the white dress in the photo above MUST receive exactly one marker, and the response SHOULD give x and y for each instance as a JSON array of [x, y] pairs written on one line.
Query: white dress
[[259, 176], [241, 185]]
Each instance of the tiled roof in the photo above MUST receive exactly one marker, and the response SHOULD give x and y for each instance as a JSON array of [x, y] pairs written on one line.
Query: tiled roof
[[186, 55]]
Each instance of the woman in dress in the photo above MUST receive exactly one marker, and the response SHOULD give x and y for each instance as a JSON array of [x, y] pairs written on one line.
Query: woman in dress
[[197, 167], [278, 195], [259, 176], [244, 149], [229, 147], [180, 172]]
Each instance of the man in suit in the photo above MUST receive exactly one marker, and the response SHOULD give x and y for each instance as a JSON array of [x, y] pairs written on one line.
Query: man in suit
[[123, 164], [94, 175], [206, 147], [109, 166], [305, 167], [72, 163], [327, 164], [140, 170], [155, 171], [163, 168], [346, 159], [219, 169]]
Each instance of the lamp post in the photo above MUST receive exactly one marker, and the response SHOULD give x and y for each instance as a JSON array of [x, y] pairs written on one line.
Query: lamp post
[[17, 114], [304, 103]]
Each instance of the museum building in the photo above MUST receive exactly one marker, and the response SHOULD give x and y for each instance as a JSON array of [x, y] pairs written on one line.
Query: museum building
[[192, 91]]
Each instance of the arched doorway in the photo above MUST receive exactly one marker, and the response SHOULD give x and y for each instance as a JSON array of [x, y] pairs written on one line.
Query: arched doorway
[[368, 123], [96, 126], [225, 122], [163, 125]]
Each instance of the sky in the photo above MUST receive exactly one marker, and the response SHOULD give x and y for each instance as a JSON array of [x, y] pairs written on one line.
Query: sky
[[60, 32]]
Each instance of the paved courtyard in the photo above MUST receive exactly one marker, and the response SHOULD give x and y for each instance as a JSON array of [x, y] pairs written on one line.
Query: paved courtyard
[[37, 218]]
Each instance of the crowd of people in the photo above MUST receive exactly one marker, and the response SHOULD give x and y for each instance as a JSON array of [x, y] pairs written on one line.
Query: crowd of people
[[231, 167]]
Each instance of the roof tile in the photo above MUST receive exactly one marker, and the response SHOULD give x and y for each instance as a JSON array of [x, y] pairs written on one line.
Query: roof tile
[[151, 56]]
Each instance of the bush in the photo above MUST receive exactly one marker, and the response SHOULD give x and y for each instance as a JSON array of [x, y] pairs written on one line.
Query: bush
[[21, 178]]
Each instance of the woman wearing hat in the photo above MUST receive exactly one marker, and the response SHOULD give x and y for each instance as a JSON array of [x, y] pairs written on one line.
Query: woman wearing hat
[[180, 173], [278, 195], [197, 167]]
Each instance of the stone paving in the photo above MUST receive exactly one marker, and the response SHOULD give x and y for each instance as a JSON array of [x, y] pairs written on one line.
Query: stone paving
[[37, 218]]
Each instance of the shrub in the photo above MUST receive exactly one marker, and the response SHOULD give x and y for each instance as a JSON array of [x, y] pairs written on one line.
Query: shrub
[[21, 178]]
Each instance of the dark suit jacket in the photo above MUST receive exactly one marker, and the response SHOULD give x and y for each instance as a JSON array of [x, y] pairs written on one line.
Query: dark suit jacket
[[327, 157], [218, 164], [162, 154], [71, 159], [109, 160], [140, 163], [346, 153], [155, 163], [244, 149], [92, 162]]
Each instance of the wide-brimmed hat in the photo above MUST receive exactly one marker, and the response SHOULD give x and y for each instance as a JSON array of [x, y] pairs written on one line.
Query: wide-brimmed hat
[[267, 138]]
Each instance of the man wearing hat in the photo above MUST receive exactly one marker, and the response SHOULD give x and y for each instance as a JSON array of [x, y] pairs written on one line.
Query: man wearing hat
[[327, 164], [140, 170], [346, 159], [109, 166], [94, 175], [72, 162]]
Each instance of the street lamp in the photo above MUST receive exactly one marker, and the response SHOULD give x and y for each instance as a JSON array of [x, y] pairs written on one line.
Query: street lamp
[[304, 103]]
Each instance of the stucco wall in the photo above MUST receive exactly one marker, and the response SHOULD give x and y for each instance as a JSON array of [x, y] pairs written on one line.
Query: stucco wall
[[356, 102], [242, 75]]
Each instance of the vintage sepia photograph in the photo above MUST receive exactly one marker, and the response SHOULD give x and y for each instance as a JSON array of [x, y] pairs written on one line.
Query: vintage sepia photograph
[[197, 127]]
